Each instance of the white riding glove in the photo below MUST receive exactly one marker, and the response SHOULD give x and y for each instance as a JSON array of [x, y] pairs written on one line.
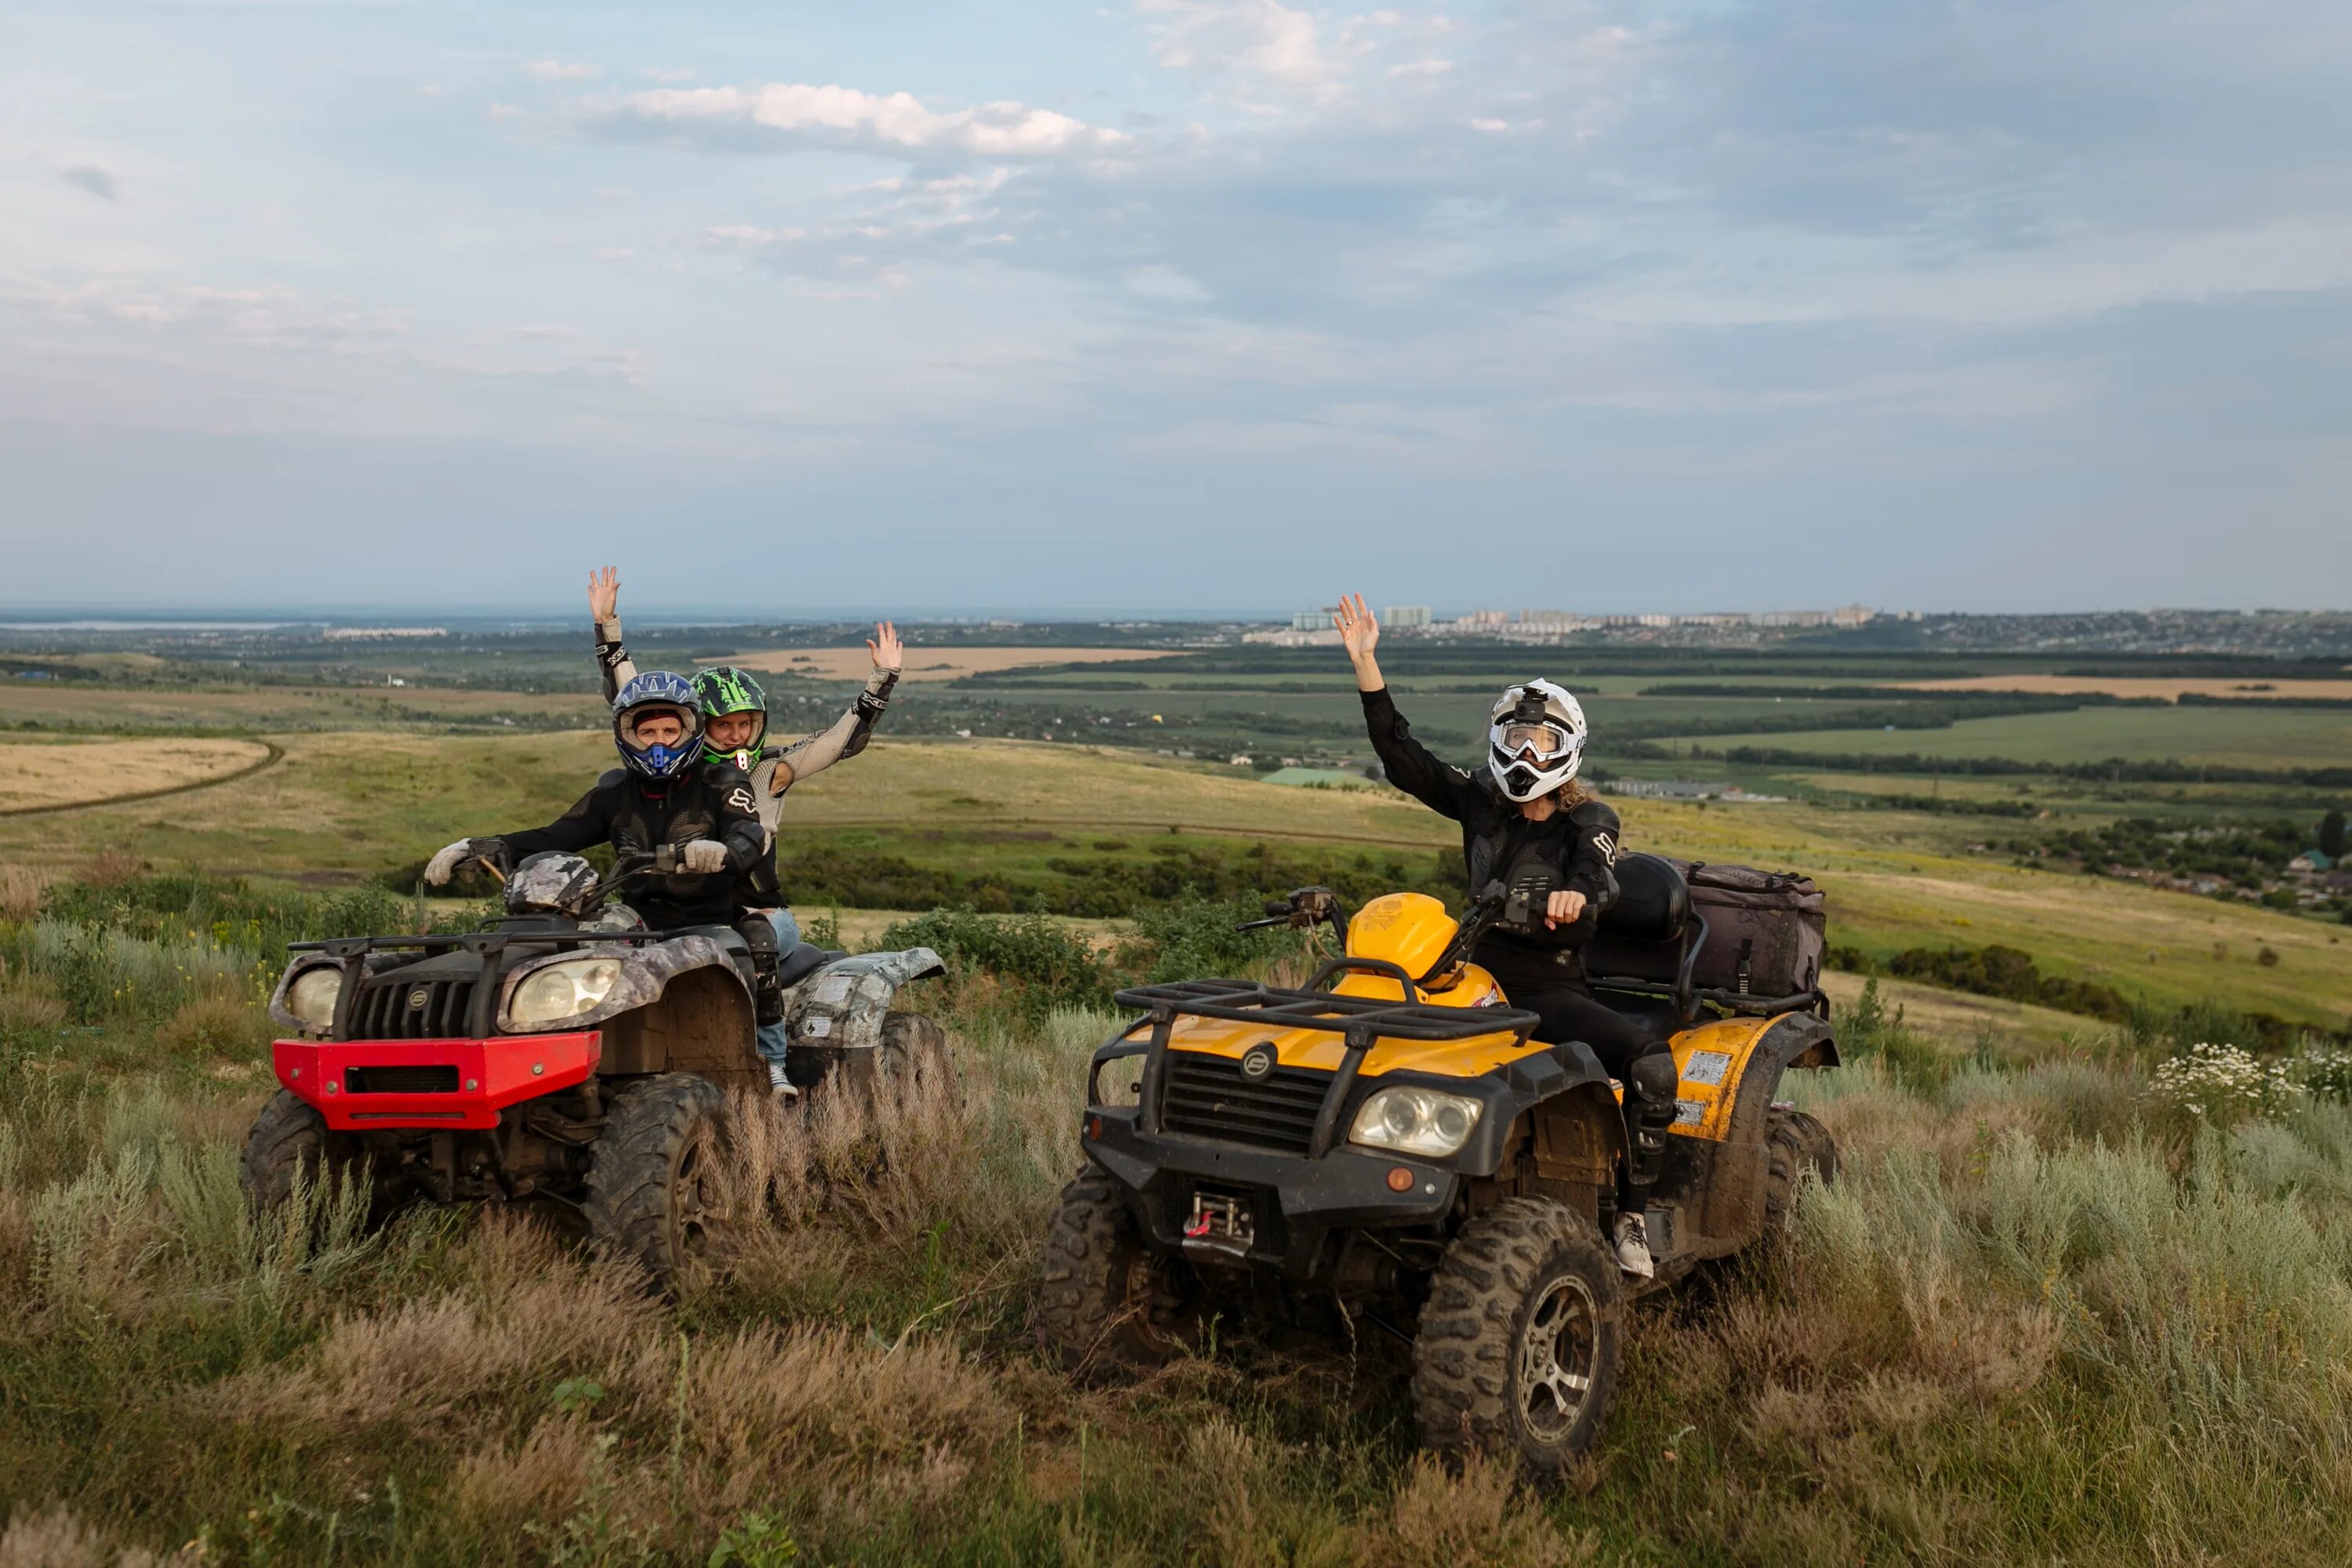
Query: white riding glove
[[705, 855], [443, 864]]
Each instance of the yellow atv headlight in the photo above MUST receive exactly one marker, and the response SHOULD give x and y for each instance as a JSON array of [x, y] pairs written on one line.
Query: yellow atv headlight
[[562, 991], [1415, 1121], [311, 998]]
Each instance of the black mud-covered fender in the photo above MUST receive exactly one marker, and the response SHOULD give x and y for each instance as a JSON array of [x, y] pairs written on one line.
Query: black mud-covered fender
[[1735, 1205], [1567, 1074]]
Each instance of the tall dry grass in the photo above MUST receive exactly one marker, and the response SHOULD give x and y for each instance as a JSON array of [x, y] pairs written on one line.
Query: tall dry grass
[[2027, 1325]]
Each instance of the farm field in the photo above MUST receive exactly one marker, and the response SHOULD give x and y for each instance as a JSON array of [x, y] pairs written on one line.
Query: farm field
[[40, 777], [2241, 737]]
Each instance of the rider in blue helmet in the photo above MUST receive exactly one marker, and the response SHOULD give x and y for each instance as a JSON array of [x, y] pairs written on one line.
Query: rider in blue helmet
[[735, 723], [664, 792]]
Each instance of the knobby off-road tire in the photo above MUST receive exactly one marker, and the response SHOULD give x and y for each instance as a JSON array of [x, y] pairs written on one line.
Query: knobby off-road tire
[[289, 1141], [1794, 1143], [1106, 1304], [1518, 1351], [656, 1179]]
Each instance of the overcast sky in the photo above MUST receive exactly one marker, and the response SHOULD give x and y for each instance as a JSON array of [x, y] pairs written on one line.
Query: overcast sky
[[1177, 304]]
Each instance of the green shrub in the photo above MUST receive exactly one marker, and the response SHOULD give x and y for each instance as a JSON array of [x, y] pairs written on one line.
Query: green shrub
[[1867, 1029], [1035, 964], [1194, 938]]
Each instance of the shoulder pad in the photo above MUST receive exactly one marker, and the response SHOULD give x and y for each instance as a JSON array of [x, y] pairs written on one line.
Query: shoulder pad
[[612, 776], [1594, 814]]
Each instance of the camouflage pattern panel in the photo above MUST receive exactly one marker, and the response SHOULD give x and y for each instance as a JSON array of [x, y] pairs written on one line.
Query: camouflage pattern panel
[[646, 971], [841, 1005]]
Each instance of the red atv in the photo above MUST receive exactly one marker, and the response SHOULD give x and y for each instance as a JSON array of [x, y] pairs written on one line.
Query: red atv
[[566, 1055]]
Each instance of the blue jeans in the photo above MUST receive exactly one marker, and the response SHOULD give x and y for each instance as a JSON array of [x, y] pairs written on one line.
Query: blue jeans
[[788, 937]]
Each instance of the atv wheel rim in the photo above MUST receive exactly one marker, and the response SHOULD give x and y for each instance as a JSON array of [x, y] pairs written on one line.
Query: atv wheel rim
[[695, 1198], [1557, 1352]]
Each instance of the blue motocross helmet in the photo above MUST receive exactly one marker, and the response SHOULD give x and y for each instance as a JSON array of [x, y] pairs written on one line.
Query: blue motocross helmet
[[657, 692]]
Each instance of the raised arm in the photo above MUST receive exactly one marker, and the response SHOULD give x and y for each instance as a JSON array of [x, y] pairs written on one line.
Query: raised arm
[[1411, 766], [847, 735], [613, 661]]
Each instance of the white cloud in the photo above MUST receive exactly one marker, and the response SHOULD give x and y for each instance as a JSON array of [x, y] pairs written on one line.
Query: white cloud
[[1490, 126], [897, 121], [503, 111], [560, 70], [1421, 68], [1263, 42]]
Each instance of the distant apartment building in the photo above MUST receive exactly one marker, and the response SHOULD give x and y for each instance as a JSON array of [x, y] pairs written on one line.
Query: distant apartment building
[[1402, 616], [1311, 620]]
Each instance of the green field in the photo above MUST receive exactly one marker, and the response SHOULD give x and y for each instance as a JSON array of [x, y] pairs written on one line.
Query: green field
[[2233, 737]]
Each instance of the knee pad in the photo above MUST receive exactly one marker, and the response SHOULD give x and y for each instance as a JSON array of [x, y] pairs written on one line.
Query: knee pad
[[758, 936], [767, 995], [1652, 1079]]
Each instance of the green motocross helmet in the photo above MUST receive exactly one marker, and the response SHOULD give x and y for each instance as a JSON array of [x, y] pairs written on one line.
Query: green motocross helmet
[[725, 690]]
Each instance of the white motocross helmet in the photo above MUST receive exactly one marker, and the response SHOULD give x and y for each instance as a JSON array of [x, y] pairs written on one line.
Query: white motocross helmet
[[1535, 739]]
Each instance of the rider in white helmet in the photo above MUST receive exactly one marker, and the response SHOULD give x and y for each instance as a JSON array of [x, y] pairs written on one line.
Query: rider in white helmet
[[1524, 812]]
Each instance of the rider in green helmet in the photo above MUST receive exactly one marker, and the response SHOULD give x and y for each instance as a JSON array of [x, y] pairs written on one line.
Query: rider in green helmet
[[734, 725], [730, 694]]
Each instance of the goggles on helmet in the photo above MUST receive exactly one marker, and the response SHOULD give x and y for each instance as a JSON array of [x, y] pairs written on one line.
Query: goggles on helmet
[[1535, 742]]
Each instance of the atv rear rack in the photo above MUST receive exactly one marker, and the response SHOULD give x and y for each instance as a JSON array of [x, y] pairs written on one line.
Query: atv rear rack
[[1358, 1021]]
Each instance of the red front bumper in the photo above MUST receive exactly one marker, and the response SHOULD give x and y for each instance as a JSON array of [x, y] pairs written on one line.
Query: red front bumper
[[360, 1086]]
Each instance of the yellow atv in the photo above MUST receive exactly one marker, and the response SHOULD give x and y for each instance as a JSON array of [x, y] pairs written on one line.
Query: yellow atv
[[1388, 1143]]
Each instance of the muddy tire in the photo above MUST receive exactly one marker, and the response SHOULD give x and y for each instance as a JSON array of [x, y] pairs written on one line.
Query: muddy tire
[[290, 1142], [1794, 1143], [657, 1178], [1518, 1351], [912, 1058], [1106, 1305]]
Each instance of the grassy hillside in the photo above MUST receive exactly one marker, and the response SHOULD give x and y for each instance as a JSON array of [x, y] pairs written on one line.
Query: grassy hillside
[[345, 805]]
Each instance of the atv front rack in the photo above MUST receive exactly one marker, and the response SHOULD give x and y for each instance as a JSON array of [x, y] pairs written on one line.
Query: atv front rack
[[1360, 1022]]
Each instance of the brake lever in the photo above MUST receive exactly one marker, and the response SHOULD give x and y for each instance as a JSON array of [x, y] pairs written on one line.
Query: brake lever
[[487, 864]]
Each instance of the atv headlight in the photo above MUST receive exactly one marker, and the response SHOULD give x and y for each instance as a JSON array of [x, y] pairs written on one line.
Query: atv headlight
[[311, 998], [562, 991], [1415, 1121]]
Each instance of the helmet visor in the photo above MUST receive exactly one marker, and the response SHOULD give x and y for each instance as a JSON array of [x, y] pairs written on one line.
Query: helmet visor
[[1539, 743]]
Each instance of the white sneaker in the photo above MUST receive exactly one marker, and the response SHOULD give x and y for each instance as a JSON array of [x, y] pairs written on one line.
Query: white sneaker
[[782, 1088], [1633, 1247]]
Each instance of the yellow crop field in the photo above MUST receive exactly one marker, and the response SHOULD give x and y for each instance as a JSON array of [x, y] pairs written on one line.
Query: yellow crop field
[[35, 774]]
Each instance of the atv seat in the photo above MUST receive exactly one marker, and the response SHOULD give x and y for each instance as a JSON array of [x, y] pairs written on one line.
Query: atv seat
[[1640, 959]]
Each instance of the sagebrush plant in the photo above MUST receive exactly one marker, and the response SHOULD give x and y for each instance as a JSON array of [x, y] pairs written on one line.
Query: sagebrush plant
[[2220, 1085], [2325, 1071]]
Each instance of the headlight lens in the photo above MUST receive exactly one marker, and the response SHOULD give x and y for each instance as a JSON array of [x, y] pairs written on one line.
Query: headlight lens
[[562, 991], [1415, 1121], [311, 997]]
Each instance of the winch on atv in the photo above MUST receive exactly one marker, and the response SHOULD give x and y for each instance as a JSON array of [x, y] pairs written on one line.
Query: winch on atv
[[1388, 1143], [566, 1055]]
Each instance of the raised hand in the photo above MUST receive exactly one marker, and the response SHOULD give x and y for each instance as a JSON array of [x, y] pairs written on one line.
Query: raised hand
[[603, 592], [888, 652], [1359, 631]]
